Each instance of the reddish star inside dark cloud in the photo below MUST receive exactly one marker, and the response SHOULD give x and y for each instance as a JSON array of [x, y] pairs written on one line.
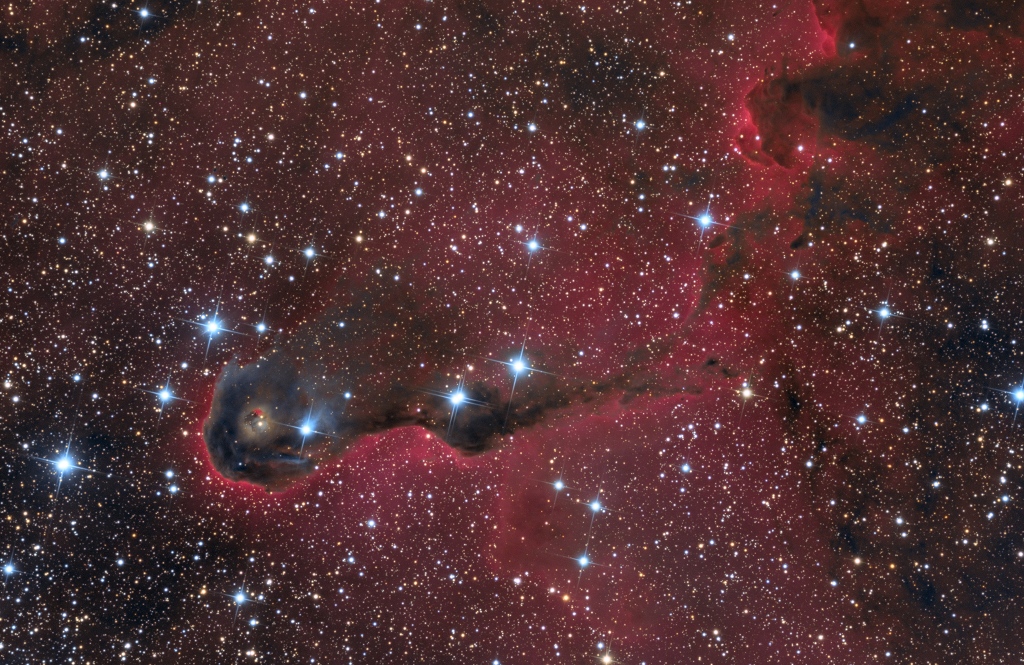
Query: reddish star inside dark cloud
[[491, 333]]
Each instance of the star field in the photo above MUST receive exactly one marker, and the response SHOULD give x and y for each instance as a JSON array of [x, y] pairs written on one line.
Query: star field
[[498, 333]]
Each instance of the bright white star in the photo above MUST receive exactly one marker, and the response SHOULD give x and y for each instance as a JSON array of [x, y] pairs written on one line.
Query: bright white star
[[457, 397], [63, 464]]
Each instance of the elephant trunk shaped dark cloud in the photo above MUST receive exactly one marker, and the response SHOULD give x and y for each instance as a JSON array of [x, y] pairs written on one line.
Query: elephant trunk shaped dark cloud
[[382, 362]]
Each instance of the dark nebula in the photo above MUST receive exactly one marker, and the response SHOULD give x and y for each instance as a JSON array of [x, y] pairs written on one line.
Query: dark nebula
[[244, 433], [377, 364]]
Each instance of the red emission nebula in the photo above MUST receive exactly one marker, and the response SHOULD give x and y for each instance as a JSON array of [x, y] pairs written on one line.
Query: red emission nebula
[[505, 333]]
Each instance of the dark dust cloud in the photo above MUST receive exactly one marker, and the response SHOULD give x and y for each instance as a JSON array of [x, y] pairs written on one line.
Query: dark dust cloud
[[375, 365]]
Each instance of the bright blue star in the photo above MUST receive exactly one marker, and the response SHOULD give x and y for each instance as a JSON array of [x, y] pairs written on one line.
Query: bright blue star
[[458, 398], [63, 465], [640, 124], [165, 394], [584, 561], [211, 326]]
